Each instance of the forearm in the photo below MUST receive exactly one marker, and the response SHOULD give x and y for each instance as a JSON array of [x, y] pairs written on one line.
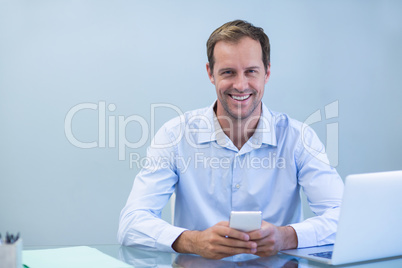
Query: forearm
[[185, 242], [319, 230], [143, 230], [288, 237]]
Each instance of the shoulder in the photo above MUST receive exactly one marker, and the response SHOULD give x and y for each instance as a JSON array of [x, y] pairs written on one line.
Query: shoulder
[[290, 130], [283, 123], [190, 120], [193, 118]]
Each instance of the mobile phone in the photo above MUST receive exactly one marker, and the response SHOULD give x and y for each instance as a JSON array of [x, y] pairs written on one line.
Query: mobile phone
[[245, 221]]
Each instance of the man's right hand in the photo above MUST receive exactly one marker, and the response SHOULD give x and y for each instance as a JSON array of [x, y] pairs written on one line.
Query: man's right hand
[[216, 242]]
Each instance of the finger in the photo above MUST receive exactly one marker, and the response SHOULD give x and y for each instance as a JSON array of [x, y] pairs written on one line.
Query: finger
[[223, 223], [225, 231], [265, 251], [266, 230], [231, 250], [266, 241], [233, 238], [230, 242], [258, 234], [236, 234], [233, 233]]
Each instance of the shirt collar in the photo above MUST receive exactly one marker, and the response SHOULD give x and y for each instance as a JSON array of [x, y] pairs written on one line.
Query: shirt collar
[[212, 131], [207, 127], [265, 131]]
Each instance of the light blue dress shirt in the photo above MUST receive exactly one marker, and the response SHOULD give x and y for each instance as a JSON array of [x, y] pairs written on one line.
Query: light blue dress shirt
[[190, 155]]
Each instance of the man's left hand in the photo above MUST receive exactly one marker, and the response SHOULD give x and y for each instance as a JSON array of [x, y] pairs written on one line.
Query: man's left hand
[[271, 239]]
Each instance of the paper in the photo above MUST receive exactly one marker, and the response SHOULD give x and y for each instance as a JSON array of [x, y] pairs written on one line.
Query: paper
[[71, 257]]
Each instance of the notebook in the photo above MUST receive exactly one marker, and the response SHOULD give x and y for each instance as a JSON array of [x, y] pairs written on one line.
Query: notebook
[[370, 221]]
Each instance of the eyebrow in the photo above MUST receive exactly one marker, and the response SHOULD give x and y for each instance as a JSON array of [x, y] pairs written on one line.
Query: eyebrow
[[253, 67], [231, 69], [225, 69]]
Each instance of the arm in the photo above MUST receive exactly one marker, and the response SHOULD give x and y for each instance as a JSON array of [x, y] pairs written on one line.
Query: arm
[[323, 188], [140, 223]]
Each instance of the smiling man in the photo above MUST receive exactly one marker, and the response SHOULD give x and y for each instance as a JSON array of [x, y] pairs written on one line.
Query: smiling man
[[235, 155]]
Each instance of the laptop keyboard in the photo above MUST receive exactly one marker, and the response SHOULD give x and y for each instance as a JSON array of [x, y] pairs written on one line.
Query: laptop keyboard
[[326, 254]]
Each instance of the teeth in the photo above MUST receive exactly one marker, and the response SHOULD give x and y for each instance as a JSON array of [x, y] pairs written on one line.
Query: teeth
[[240, 97]]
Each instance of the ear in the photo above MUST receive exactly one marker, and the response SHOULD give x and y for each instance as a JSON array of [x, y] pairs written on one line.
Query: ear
[[210, 74], [268, 73]]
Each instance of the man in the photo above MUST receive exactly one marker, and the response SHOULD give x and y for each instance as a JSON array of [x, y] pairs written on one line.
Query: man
[[235, 155]]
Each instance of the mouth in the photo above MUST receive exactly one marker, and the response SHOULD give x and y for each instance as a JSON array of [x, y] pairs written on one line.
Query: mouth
[[240, 97]]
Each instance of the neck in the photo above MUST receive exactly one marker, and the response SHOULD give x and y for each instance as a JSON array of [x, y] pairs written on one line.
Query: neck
[[239, 130]]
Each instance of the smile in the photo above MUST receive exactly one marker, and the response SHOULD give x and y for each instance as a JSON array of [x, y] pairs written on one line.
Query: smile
[[240, 98]]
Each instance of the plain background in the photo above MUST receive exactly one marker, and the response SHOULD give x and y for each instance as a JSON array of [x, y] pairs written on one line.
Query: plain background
[[55, 55]]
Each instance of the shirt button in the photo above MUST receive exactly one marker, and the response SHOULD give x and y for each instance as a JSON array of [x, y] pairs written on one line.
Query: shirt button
[[237, 186]]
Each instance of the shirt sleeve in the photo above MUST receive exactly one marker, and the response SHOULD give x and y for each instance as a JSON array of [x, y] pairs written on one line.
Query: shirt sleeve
[[323, 188], [140, 220]]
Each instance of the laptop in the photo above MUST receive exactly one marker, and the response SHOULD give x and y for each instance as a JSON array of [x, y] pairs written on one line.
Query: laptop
[[370, 221]]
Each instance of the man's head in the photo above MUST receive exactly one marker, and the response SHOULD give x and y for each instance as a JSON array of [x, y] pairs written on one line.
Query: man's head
[[233, 32], [239, 68]]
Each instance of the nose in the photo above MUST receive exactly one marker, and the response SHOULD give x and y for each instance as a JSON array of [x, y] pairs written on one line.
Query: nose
[[240, 83]]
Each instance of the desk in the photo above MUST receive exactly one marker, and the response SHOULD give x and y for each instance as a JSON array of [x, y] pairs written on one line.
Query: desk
[[141, 258]]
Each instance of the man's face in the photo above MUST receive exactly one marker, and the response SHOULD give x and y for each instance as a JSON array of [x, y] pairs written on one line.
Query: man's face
[[239, 77]]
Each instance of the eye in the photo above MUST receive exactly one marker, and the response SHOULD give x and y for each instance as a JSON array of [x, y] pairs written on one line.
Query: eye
[[227, 73]]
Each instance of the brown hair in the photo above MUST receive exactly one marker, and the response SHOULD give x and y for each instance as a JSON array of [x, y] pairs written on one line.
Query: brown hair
[[233, 31]]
